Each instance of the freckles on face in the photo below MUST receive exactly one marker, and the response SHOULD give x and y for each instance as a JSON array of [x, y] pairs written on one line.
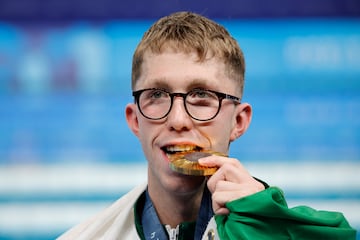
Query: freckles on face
[[218, 133], [180, 72]]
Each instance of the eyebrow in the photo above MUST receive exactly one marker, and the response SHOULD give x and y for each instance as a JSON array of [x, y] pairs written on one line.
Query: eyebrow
[[194, 83], [159, 83], [202, 84]]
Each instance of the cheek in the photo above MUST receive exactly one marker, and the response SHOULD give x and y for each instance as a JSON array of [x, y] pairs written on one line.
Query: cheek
[[144, 132], [148, 132], [218, 136], [218, 132]]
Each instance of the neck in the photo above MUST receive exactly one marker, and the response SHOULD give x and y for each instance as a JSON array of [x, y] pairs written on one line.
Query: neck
[[173, 208]]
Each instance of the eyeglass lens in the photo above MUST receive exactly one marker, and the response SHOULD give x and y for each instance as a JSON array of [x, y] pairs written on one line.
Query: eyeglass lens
[[199, 104]]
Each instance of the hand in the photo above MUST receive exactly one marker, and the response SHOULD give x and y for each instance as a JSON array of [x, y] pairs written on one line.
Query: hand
[[230, 182]]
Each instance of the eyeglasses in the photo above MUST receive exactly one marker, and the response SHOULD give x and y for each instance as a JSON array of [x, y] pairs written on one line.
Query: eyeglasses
[[200, 104]]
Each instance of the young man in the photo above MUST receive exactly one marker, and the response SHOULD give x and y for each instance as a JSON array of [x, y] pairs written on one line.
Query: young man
[[187, 82]]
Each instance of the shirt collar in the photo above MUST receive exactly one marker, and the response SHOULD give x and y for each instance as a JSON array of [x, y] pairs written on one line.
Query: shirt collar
[[153, 229]]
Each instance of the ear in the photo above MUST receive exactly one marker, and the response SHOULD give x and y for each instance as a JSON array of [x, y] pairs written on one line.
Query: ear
[[132, 119], [242, 120]]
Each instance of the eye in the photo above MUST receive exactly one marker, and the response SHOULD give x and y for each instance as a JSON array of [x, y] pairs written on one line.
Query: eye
[[157, 93], [201, 98], [202, 94]]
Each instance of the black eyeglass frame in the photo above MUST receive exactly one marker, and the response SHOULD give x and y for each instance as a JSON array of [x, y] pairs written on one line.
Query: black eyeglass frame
[[221, 96]]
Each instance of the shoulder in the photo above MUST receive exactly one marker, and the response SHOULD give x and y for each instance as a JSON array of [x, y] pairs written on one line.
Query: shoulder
[[118, 218]]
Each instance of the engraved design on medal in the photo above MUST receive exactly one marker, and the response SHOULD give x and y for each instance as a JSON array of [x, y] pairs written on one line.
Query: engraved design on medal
[[187, 163]]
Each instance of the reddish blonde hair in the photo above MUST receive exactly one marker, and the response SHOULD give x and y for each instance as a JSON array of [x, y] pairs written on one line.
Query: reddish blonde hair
[[190, 32]]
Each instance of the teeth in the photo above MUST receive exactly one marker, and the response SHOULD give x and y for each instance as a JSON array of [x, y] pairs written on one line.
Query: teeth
[[180, 148]]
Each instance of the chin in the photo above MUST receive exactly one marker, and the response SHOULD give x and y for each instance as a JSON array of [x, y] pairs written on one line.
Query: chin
[[185, 183]]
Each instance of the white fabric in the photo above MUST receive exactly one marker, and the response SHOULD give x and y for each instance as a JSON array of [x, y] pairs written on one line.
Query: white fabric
[[117, 222]]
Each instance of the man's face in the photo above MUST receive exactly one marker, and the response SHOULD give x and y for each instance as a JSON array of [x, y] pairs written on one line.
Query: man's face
[[180, 72]]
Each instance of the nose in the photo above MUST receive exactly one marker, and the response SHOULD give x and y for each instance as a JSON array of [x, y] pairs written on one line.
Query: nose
[[178, 119]]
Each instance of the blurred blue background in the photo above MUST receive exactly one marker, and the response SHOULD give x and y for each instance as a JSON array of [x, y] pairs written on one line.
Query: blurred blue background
[[65, 69]]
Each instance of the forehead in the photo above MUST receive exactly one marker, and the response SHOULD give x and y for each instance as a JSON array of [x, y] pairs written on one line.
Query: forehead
[[178, 71]]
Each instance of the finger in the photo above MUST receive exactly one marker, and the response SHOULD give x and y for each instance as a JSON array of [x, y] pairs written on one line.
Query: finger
[[230, 182], [222, 211], [231, 191], [216, 161], [225, 193], [230, 173], [230, 168]]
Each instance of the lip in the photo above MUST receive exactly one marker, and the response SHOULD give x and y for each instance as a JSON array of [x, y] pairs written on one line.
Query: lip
[[178, 147]]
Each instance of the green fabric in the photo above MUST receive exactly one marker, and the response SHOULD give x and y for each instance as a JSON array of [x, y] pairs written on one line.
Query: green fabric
[[265, 215], [138, 208], [187, 230]]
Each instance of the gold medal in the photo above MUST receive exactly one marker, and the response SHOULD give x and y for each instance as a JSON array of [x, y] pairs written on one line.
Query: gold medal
[[187, 163]]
